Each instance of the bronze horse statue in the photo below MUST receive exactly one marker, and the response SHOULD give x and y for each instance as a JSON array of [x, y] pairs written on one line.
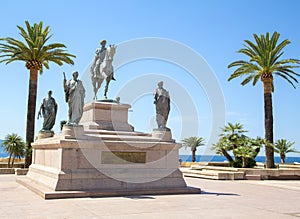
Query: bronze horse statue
[[103, 72]]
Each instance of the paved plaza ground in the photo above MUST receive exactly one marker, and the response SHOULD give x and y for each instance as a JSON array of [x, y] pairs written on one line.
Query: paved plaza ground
[[219, 199]]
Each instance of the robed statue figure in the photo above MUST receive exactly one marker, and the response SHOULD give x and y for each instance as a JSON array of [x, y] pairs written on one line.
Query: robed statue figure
[[162, 102], [74, 93], [48, 110]]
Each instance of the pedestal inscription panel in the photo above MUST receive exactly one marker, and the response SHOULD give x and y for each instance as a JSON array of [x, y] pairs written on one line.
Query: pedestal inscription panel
[[121, 157]]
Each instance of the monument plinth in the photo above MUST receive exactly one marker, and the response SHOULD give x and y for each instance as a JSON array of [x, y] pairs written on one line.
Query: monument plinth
[[106, 116], [103, 156]]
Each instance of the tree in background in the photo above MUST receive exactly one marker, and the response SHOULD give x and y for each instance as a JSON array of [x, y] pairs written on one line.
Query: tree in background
[[244, 148], [14, 145], [282, 147], [233, 133], [247, 151], [221, 148], [36, 54], [193, 143], [264, 62]]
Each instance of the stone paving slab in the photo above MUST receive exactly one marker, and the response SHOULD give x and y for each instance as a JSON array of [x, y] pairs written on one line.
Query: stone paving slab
[[219, 199]]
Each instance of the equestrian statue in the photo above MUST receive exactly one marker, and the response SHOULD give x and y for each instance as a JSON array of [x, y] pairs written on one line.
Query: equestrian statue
[[102, 68]]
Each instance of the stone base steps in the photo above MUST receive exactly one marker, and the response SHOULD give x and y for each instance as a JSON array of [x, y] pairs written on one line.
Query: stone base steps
[[7, 170], [228, 173], [127, 138], [252, 177], [215, 168], [107, 132], [16, 165], [17, 171], [211, 174], [47, 193]]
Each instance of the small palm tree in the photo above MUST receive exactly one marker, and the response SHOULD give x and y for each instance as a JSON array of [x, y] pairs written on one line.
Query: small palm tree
[[193, 143], [245, 153], [233, 129], [36, 54], [221, 148], [264, 63], [282, 147], [14, 145], [233, 133], [247, 150], [258, 142]]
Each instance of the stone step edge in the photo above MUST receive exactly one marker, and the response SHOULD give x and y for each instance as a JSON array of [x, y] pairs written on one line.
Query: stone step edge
[[47, 193]]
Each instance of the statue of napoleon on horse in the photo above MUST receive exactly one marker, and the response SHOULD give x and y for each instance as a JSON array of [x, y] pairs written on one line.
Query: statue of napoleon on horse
[[102, 68]]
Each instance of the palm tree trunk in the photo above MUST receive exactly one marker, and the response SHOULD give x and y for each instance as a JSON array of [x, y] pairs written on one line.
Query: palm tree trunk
[[193, 155], [245, 162], [282, 157], [228, 157], [268, 122], [8, 163], [13, 161], [33, 78], [234, 153], [257, 150]]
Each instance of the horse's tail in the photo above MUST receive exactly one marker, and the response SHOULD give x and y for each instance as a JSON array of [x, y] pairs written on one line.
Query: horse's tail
[[92, 69]]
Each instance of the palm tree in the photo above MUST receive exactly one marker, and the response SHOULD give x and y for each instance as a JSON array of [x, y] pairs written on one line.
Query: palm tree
[[14, 145], [193, 143], [264, 62], [19, 152], [36, 54], [258, 142], [221, 148], [233, 129], [233, 133], [282, 147], [229, 140], [248, 149], [246, 152]]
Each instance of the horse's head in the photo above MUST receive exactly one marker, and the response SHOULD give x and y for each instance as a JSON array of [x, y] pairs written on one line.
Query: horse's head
[[110, 52]]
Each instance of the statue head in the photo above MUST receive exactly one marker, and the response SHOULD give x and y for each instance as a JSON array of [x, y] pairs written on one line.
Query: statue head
[[75, 75], [160, 84], [50, 93], [103, 42]]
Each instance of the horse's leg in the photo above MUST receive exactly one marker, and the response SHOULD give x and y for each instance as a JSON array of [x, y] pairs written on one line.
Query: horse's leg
[[97, 79], [94, 81], [108, 79], [99, 83]]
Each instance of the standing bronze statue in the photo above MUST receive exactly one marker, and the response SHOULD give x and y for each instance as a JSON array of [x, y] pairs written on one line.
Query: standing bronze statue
[[75, 93], [48, 110], [162, 102]]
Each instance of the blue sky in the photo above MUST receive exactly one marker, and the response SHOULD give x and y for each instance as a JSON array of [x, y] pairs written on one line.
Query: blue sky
[[213, 29]]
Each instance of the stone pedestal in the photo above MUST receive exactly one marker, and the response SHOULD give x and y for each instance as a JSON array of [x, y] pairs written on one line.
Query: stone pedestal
[[73, 131], [88, 160], [45, 134], [163, 134], [106, 116]]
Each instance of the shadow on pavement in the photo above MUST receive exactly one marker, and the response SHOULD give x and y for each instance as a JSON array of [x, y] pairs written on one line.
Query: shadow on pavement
[[218, 193], [140, 197]]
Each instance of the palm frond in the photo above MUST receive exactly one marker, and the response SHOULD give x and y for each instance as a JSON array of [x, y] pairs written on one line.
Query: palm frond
[[264, 57], [34, 47], [286, 78], [193, 142]]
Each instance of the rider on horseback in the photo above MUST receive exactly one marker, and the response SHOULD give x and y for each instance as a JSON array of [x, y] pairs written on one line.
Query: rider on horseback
[[100, 55], [102, 68]]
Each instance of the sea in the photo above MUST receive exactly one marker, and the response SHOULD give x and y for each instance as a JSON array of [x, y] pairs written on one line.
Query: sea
[[205, 158], [212, 158], [218, 158]]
